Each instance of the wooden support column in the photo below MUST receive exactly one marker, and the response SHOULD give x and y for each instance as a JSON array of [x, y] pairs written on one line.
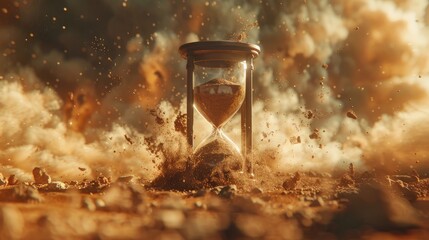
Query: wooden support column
[[248, 116], [190, 102]]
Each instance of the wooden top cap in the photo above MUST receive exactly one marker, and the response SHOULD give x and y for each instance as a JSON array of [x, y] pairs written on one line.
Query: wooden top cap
[[218, 53]]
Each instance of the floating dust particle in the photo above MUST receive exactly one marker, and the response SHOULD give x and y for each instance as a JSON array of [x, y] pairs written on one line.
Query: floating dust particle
[[217, 163], [128, 139], [152, 146], [351, 114], [309, 114], [357, 28], [218, 99], [315, 134], [295, 139], [158, 119], [242, 34], [180, 123], [82, 169]]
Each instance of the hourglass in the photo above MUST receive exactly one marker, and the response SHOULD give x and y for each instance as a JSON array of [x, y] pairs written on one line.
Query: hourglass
[[219, 83]]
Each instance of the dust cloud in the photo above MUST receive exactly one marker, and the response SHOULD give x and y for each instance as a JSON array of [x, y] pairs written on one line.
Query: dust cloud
[[94, 87]]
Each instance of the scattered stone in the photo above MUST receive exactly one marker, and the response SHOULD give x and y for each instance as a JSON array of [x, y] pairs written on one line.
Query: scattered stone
[[3, 180], [11, 223], [315, 134], [351, 114], [295, 140], [73, 183], [228, 191], [256, 190], [128, 139], [12, 180], [318, 202], [309, 114], [82, 169], [41, 176], [291, 183], [95, 186], [57, 186]]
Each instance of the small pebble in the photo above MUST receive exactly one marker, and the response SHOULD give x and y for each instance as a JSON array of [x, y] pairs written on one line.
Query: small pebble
[[57, 186], [3, 180], [41, 176], [12, 180]]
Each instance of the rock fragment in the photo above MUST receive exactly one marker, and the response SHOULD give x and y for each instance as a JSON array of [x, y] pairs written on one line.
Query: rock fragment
[[315, 134], [96, 186], [3, 180], [291, 183], [41, 176], [57, 186], [295, 139], [12, 180], [351, 114], [228, 191]]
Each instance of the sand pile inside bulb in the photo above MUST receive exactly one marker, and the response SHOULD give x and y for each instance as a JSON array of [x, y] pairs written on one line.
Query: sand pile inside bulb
[[217, 163], [218, 99]]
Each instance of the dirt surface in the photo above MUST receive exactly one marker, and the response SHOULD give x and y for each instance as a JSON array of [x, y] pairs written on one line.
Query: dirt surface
[[306, 205]]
